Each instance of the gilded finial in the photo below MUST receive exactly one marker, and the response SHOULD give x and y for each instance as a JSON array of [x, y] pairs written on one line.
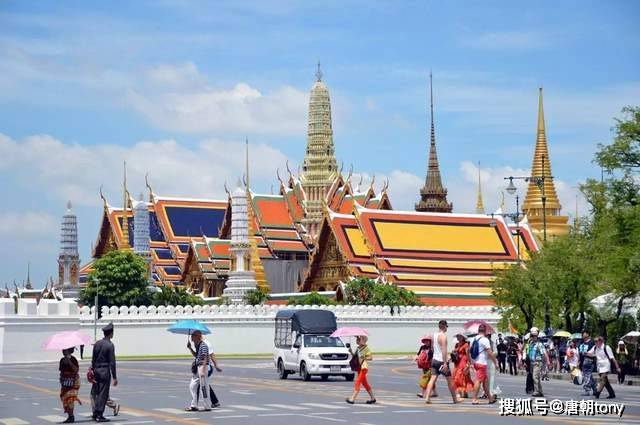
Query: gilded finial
[[360, 182], [289, 170], [278, 176], [104, 200], [226, 189], [341, 167], [373, 180], [319, 73], [479, 203], [350, 173]]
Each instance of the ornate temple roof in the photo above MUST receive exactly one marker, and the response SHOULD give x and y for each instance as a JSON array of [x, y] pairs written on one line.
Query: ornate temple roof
[[445, 258], [433, 195]]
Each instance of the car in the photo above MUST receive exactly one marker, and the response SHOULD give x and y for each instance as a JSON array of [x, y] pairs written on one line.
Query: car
[[304, 345]]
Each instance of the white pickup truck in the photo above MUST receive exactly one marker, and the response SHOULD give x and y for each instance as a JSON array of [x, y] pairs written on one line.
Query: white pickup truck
[[303, 345]]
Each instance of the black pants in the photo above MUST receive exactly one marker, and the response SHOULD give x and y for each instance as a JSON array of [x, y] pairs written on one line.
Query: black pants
[[603, 382], [502, 362], [623, 372], [529, 381], [100, 390], [212, 395], [513, 365]]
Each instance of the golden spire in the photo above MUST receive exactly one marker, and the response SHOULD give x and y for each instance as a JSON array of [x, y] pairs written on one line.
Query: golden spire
[[541, 168], [125, 201], [255, 263], [479, 203]]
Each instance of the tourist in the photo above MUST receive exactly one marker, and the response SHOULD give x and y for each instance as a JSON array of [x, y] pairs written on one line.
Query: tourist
[[364, 356], [512, 357], [604, 361], [69, 383], [213, 363], [502, 354], [440, 363], [572, 357], [103, 364], [562, 353], [462, 371], [623, 361], [587, 364], [526, 363], [199, 373], [538, 356], [423, 360], [480, 353]]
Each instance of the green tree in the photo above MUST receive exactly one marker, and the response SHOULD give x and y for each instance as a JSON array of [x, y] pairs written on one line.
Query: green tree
[[367, 292], [255, 297], [175, 295], [312, 298], [122, 280], [516, 297]]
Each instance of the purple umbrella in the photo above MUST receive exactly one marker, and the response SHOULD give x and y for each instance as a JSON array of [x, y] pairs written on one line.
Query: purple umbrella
[[350, 331], [64, 340]]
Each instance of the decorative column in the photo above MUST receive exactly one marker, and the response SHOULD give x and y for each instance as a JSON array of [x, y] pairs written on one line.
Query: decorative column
[[241, 279]]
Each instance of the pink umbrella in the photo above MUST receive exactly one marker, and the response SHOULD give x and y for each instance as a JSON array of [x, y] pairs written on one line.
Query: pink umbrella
[[350, 331], [426, 337], [471, 327], [64, 340]]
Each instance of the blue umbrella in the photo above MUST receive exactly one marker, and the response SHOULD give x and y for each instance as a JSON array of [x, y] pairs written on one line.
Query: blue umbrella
[[187, 327]]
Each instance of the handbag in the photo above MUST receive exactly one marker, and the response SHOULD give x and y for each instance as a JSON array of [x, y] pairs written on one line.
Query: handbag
[[91, 377], [354, 363], [194, 368]]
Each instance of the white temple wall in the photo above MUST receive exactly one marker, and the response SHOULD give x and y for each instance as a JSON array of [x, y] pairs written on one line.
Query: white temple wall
[[141, 331]]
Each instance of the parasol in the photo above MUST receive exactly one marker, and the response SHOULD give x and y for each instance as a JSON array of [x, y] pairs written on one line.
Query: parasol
[[350, 331], [64, 340], [562, 334], [471, 327]]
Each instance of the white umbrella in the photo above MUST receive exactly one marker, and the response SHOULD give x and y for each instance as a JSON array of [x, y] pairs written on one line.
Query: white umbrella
[[632, 337]]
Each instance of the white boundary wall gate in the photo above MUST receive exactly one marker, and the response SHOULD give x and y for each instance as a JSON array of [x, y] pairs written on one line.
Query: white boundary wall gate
[[141, 331]]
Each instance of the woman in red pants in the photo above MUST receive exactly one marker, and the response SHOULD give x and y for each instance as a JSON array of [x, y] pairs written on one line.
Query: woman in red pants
[[363, 354]]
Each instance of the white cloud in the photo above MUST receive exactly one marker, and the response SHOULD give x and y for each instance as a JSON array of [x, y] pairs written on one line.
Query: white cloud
[[508, 40], [64, 171], [179, 98], [26, 224]]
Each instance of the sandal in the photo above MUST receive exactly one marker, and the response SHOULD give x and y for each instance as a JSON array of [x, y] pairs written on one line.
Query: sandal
[[371, 401], [190, 409], [348, 400], [419, 395]]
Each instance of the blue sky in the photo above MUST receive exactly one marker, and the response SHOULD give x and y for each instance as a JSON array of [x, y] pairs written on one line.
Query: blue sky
[[173, 87]]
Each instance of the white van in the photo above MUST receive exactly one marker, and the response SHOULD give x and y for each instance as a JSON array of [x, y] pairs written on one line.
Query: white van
[[303, 345]]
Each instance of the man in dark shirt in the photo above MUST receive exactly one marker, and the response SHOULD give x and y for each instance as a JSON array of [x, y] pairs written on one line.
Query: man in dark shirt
[[502, 354], [587, 363], [103, 363]]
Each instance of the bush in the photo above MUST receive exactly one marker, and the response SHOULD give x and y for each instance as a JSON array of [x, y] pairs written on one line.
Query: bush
[[312, 298], [367, 292], [255, 297], [175, 296]]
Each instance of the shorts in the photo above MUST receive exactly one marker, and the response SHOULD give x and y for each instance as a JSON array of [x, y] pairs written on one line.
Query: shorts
[[481, 372], [435, 368]]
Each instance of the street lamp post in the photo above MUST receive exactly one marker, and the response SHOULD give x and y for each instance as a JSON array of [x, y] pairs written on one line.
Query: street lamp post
[[96, 303], [540, 182]]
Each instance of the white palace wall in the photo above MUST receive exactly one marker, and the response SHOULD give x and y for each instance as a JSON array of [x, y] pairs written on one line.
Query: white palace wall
[[141, 331]]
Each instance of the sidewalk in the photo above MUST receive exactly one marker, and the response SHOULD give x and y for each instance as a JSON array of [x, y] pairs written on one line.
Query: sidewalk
[[631, 380]]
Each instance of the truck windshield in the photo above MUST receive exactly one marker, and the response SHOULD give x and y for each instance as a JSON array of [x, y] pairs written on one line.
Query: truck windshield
[[322, 341]]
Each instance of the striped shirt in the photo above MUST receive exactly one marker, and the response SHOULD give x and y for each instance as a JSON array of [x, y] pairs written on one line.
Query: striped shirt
[[202, 355]]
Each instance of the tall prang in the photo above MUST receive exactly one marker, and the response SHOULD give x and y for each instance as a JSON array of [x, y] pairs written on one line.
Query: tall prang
[[433, 195], [141, 234], [68, 258], [319, 168], [538, 211], [479, 202]]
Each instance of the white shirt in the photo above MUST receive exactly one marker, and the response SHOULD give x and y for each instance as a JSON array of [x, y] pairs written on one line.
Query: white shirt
[[483, 346], [604, 366], [573, 360], [209, 348], [437, 352]]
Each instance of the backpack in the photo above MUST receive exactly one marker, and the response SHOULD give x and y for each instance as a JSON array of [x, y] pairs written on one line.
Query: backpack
[[475, 348], [424, 359]]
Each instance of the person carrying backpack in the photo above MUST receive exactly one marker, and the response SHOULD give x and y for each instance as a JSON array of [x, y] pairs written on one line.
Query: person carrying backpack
[[480, 353], [537, 355], [605, 362], [586, 363], [423, 361]]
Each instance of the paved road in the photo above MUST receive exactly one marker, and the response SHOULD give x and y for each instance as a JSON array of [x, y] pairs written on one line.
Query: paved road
[[154, 392]]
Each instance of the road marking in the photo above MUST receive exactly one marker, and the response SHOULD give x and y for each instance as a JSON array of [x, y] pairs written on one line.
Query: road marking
[[367, 413], [275, 414], [133, 423], [248, 407], [323, 405], [218, 410], [287, 407], [408, 411], [243, 392], [13, 421], [232, 416], [52, 418], [172, 410], [135, 413], [326, 419]]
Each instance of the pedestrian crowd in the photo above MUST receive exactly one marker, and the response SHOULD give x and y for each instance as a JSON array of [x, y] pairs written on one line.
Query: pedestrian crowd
[[469, 369]]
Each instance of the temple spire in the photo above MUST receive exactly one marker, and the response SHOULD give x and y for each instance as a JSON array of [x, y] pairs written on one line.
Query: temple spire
[[479, 203], [541, 203], [28, 284], [319, 73], [433, 195]]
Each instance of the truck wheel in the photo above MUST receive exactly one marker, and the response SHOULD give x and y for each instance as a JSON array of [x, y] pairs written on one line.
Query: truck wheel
[[282, 373], [350, 377], [304, 372], [324, 377]]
